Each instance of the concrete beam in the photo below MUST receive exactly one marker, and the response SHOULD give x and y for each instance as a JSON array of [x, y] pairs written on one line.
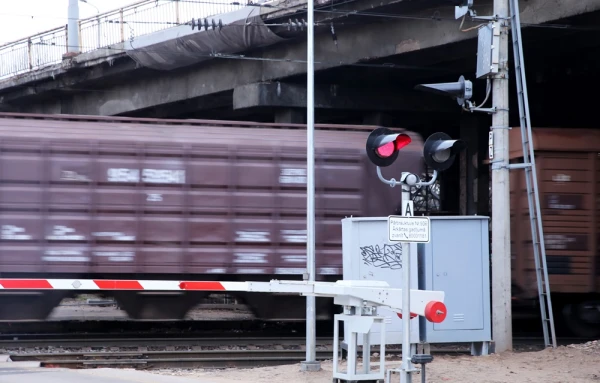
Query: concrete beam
[[357, 43], [195, 105], [277, 94]]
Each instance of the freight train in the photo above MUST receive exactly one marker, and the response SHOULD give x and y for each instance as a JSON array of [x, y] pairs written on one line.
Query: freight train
[[94, 197], [123, 198], [568, 167]]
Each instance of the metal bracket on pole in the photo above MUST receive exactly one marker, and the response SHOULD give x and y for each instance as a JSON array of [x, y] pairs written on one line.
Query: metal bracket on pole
[[486, 18], [408, 179], [467, 8], [499, 165], [472, 108]]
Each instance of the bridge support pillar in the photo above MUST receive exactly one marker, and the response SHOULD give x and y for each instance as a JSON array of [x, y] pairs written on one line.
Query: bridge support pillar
[[290, 116], [377, 118]]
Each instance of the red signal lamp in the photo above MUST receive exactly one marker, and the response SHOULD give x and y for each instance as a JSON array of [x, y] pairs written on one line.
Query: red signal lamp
[[386, 150], [383, 146]]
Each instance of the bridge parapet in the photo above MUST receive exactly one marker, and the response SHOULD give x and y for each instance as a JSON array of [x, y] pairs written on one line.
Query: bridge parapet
[[104, 31]]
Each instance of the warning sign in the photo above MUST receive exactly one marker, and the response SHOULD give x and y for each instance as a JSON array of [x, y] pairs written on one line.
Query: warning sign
[[408, 229]]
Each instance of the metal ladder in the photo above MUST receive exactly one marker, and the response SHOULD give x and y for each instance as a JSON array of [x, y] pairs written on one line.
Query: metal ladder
[[537, 232]]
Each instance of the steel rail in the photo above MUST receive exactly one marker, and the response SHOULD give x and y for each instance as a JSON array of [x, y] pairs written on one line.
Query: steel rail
[[170, 359], [166, 341], [69, 341]]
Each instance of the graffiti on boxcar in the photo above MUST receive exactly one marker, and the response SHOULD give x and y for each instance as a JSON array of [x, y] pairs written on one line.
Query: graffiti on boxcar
[[123, 175], [64, 233], [14, 233], [384, 257], [157, 176], [163, 176], [70, 175], [561, 178], [65, 256], [291, 236], [329, 271], [576, 242], [250, 258], [154, 197], [292, 176], [294, 236], [115, 236], [252, 236], [289, 270], [251, 271], [116, 256], [294, 258], [564, 201], [300, 271]]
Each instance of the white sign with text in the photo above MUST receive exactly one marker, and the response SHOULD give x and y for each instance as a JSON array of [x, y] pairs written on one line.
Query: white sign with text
[[408, 229]]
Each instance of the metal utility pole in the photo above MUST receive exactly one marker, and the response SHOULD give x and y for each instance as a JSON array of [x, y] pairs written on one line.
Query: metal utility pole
[[73, 27], [492, 63], [311, 363], [501, 254]]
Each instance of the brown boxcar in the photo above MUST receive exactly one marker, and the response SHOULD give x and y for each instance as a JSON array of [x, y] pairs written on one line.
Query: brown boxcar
[[120, 197], [568, 171]]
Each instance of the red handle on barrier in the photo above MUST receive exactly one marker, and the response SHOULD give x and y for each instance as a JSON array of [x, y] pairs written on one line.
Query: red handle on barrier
[[412, 315], [435, 312]]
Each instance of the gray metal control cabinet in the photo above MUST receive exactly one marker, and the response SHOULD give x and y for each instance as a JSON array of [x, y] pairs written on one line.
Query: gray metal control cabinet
[[456, 261], [369, 255]]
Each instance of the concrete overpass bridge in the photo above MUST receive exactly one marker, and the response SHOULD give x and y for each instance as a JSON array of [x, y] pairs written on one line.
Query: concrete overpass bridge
[[152, 60]]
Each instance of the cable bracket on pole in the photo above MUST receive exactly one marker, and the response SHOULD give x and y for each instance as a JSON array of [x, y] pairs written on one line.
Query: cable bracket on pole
[[499, 165]]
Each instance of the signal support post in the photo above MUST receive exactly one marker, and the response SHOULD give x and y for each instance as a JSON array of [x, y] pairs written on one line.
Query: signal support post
[[407, 229], [439, 152]]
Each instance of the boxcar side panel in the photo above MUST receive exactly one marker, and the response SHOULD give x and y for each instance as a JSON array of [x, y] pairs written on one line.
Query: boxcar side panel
[[567, 182], [90, 203]]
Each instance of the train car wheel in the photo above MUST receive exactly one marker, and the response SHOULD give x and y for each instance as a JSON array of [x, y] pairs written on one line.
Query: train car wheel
[[583, 318]]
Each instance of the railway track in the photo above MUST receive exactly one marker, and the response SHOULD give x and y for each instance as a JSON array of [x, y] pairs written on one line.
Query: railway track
[[209, 359], [69, 341], [173, 359], [156, 342]]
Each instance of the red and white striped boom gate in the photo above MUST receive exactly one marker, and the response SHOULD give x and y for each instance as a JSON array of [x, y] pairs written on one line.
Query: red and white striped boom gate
[[423, 302], [360, 300]]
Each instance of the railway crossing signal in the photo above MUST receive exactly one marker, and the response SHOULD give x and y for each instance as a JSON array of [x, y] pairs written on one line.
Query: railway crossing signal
[[440, 151], [383, 146]]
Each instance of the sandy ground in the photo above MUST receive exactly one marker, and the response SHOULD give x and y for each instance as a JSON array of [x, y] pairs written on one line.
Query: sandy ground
[[575, 363]]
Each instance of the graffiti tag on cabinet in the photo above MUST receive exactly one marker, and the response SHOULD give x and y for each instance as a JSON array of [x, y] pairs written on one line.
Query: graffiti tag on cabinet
[[385, 256]]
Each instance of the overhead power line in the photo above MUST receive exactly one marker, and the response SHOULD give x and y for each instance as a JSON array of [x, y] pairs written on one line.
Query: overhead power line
[[322, 9]]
